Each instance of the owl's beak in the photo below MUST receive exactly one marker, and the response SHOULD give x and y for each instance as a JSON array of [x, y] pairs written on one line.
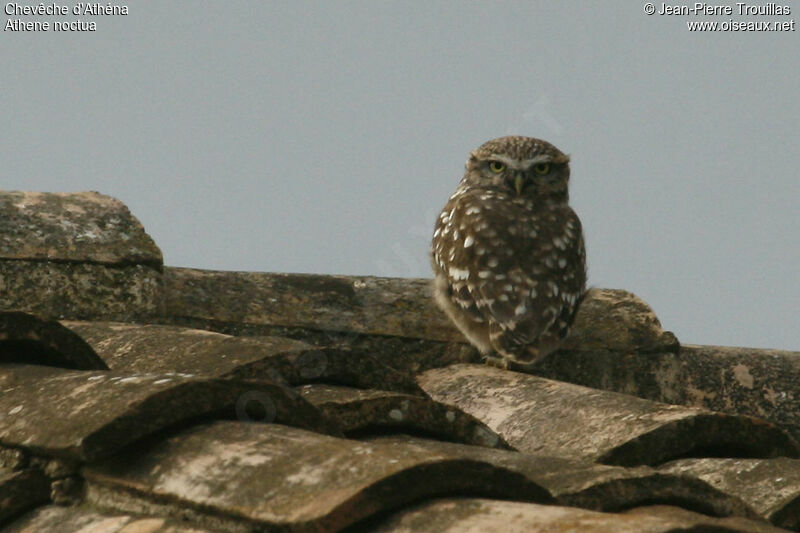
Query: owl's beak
[[519, 183]]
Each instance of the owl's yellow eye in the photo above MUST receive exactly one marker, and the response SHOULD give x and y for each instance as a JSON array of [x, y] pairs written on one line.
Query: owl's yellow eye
[[496, 166], [541, 168]]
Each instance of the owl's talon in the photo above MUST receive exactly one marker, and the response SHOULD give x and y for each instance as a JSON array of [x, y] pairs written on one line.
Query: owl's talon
[[496, 362]]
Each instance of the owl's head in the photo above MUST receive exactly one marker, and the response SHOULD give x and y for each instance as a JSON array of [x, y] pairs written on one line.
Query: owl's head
[[522, 167]]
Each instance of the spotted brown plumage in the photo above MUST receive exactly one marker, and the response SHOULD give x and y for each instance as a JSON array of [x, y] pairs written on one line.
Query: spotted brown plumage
[[508, 252]]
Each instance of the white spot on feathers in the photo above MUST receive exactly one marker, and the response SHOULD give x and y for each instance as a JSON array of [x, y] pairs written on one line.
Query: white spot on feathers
[[553, 288], [458, 274]]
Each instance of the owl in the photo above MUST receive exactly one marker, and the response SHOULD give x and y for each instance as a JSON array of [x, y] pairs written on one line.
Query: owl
[[508, 253]]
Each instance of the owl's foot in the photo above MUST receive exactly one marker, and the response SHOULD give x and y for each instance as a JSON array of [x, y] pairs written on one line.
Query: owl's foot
[[496, 362], [505, 363]]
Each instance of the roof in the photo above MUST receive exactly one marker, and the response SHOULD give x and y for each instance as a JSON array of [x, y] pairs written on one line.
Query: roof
[[141, 397]]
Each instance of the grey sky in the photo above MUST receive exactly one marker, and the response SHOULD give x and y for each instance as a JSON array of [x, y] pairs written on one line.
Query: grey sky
[[325, 136]]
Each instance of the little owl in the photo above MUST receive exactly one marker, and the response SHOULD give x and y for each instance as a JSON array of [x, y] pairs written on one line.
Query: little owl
[[508, 253]]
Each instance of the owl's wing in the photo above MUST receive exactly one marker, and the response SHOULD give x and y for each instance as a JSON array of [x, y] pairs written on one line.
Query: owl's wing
[[452, 258], [519, 309], [466, 300], [537, 280]]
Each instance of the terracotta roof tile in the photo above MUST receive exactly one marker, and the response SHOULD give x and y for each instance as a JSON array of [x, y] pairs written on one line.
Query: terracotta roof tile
[[770, 486], [82, 415], [157, 348], [85, 227], [537, 415], [470, 515], [365, 411], [581, 483], [274, 476], [84, 520], [21, 490], [80, 255], [28, 339], [745, 381]]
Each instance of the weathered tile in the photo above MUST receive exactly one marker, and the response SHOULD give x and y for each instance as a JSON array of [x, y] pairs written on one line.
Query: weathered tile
[[770, 486], [57, 519], [594, 486], [537, 415], [155, 348], [79, 255], [25, 338], [744, 381], [748, 381], [360, 410], [617, 320], [85, 414], [21, 490], [473, 515], [382, 306], [608, 319], [80, 290], [280, 478], [78, 227], [700, 523], [641, 374], [374, 318]]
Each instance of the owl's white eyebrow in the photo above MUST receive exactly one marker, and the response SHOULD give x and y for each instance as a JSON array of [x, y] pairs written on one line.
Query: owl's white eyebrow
[[521, 164]]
